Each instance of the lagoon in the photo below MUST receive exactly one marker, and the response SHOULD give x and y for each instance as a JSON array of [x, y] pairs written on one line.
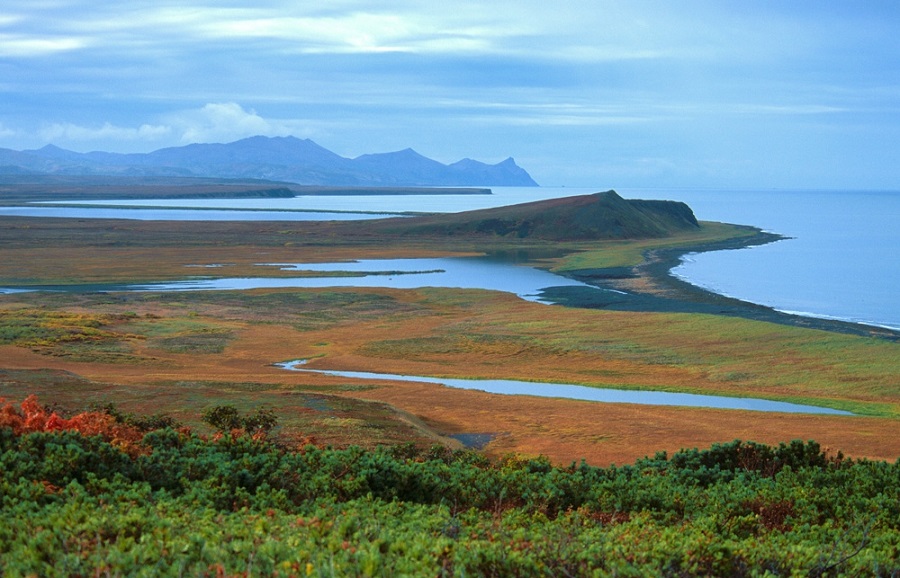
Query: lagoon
[[493, 274], [455, 272]]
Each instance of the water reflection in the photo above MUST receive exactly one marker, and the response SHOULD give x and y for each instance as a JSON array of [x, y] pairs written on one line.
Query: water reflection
[[452, 272]]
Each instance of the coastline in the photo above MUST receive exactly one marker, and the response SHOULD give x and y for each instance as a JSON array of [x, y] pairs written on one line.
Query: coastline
[[651, 286]]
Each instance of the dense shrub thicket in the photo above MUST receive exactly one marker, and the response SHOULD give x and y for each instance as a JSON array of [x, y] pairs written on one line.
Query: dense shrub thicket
[[175, 503]]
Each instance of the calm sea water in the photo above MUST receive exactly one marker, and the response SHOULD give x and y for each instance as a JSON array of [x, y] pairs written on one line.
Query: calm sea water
[[842, 261]]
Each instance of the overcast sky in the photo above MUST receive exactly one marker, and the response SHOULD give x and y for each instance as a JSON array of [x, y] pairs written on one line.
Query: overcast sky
[[790, 94]]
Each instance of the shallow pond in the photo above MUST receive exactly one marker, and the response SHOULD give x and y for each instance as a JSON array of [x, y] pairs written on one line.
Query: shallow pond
[[490, 273], [569, 391], [454, 272]]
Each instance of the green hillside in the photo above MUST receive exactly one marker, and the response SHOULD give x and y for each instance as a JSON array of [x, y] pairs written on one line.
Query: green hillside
[[600, 216]]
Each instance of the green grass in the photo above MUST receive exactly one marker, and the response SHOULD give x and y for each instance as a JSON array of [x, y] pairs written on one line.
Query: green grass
[[78, 336], [614, 254]]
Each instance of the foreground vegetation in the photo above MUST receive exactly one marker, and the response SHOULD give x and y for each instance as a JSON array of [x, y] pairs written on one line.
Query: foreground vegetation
[[96, 494]]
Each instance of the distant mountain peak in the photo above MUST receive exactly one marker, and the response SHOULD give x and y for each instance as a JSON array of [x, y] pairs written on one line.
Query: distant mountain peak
[[406, 153], [279, 158], [51, 150]]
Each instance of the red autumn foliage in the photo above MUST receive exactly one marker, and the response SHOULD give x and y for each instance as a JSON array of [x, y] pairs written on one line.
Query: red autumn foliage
[[34, 417]]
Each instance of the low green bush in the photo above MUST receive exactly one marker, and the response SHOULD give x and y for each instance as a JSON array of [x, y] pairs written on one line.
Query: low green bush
[[186, 505]]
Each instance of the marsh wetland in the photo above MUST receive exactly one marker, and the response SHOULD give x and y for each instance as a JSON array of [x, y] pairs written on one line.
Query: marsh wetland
[[183, 350]]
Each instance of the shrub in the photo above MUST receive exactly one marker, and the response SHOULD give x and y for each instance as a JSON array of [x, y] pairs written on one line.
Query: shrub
[[227, 418]]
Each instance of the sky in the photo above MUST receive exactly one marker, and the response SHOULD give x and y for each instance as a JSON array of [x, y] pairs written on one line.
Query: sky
[[593, 93]]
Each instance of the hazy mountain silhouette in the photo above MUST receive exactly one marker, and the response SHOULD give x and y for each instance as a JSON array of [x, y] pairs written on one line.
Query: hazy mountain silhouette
[[273, 158]]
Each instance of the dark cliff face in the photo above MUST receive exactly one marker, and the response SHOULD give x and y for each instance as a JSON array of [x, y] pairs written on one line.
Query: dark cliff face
[[587, 217]]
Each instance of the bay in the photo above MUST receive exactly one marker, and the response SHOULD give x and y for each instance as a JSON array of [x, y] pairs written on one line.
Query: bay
[[842, 260]]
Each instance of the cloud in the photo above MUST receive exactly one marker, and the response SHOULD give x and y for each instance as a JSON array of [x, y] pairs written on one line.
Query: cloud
[[561, 113], [24, 47], [358, 28], [357, 32], [73, 133], [533, 28], [6, 132], [266, 27], [22, 37], [214, 122], [226, 122], [798, 109]]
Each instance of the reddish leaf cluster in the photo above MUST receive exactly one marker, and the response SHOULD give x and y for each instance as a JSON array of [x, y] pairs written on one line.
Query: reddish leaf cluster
[[31, 416]]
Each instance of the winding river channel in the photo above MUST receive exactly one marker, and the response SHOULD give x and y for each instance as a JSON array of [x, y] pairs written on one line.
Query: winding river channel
[[581, 392]]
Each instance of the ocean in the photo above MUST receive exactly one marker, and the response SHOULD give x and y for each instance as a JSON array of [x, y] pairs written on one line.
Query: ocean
[[842, 259]]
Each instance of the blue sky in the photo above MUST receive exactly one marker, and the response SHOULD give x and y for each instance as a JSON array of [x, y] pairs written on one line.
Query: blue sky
[[789, 94]]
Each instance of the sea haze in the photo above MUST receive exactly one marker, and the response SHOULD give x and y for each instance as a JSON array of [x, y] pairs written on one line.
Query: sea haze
[[841, 260]]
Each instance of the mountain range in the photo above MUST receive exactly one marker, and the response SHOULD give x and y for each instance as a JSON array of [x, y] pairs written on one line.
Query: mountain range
[[286, 159]]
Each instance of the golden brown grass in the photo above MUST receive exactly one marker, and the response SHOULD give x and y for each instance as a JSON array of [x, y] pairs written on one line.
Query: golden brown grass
[[183, 352], [482, 334]]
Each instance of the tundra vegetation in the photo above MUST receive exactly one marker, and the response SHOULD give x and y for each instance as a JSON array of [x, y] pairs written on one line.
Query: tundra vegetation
[[213, 460], [93, 494]]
